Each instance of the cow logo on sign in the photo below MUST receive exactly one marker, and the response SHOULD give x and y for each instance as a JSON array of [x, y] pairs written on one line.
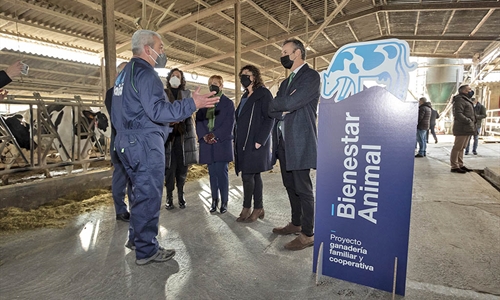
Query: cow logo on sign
[[384, 61]]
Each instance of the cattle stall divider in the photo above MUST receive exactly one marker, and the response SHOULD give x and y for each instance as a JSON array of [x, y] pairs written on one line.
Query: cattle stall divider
[[42, 131]]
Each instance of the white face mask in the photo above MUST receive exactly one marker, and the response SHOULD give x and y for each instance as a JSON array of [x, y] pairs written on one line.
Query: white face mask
[[174, 82]]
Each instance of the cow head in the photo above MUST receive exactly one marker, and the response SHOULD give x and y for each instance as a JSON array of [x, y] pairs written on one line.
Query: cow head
[[100, 120]]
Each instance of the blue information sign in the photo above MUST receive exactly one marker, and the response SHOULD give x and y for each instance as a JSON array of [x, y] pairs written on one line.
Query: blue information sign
[[366, 142]]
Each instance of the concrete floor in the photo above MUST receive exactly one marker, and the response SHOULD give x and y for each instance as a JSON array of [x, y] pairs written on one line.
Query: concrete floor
[[453, 254]]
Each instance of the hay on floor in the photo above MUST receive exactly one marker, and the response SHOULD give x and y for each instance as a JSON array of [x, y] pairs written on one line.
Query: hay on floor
[[56, 213]]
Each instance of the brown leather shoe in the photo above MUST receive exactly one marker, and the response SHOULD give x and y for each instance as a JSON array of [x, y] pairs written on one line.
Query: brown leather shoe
[[257, 213], [288, 229], [244, 214], [301, 242]]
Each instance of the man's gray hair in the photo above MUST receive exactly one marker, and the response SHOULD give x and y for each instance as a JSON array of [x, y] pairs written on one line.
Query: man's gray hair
[[142, 38]]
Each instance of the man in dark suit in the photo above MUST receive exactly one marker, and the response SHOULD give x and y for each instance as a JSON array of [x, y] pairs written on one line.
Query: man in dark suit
[[295, 140]]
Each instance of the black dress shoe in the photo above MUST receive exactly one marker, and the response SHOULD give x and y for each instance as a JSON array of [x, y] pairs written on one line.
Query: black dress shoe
[[169, 206], [125, 217], [458, 170], [182, 205], [419, 155], [213, 207], [466, 169], [223, 207]]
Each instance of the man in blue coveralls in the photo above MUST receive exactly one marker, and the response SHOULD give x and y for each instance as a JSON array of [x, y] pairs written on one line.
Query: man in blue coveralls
[[141, 113]]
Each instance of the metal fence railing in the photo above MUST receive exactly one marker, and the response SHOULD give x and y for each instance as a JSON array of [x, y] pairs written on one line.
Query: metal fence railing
[[492, 122]]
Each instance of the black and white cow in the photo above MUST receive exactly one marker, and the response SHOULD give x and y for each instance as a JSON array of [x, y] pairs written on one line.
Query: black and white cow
[[66, 124]]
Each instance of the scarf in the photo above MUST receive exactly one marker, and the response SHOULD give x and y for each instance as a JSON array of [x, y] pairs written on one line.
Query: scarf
[[211, 115]]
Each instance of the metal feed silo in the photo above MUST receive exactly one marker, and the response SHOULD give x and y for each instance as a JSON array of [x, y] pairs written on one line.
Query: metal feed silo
[[442, 80]]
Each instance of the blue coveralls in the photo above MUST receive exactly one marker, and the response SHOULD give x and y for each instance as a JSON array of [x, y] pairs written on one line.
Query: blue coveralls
[[141, 113]]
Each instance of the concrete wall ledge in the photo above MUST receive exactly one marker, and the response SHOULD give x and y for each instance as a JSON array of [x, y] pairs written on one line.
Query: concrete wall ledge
[[33, 194], [493, 175]]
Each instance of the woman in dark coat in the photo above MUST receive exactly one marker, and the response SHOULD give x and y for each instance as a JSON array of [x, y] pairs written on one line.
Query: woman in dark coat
[[214, 127], [252, 141], [180, 148]]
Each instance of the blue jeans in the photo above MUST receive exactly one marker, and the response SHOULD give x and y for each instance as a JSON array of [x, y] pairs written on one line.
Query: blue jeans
[[476, 141], [421, 140]]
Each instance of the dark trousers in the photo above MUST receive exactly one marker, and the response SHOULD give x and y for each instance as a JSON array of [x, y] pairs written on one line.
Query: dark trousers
[[300, 193], [252, 186], [475, 143], [433, 132], [119, 184], [219, 180], [143, 156], [177, 172]]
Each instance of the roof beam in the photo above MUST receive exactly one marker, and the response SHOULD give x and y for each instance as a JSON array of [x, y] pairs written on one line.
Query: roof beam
[[378, 23], [267, 15], [198, 16], [411, 7], [478, 26], [304, 12], [48, 71], [416, 23], [59, 15], [47, 83], [314, 23], [272, 19], [448, 38], [445, 29], [48, 28], [98, 8], [201, 45], [246, 28], [483, 20], [334, 13], [77, 65], [189, 19], [21, 35]]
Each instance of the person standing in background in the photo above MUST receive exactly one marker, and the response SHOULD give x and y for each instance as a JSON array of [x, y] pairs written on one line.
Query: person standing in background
[[120, 180], [295, 140], [464, 125], [180, 148], [214, 127], [480, 112], [252, 141], [434, 117], [424, 119]]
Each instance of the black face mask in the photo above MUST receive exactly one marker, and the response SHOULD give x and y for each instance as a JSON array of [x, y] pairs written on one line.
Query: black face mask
[[470, 94], [214, 88], [286, 62], [245, 80]]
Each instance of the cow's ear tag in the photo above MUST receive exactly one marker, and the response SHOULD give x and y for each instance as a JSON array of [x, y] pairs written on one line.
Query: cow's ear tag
[[123, 150]]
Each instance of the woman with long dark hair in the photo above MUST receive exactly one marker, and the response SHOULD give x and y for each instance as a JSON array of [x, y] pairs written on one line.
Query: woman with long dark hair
[[252, 141]]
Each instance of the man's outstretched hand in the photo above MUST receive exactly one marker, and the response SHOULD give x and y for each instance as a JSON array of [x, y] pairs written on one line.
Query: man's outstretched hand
[[206, 100]]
